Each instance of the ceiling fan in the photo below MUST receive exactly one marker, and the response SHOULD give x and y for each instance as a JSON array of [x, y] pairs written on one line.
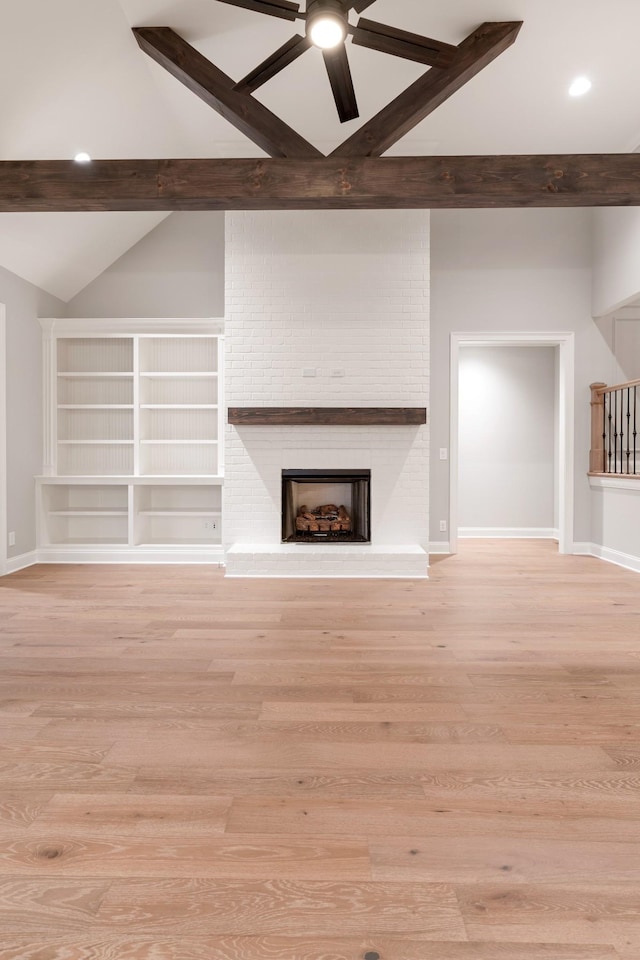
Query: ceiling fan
[[327, 27]]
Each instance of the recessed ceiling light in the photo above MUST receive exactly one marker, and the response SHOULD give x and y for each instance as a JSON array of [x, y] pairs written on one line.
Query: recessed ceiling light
[[579, 87], [82, 158]]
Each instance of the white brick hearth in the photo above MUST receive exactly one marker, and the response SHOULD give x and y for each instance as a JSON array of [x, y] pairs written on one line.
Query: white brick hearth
[[344, 294]]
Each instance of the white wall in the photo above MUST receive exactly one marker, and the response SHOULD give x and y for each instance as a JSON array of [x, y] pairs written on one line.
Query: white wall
[[626, 349], [506, 411], [615, 520], [616, 258], [24, 303], [327, 290], [513, 270], [177, 270]]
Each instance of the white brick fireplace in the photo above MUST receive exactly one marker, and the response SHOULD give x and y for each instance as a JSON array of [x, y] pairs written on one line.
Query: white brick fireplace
[[327, 309]]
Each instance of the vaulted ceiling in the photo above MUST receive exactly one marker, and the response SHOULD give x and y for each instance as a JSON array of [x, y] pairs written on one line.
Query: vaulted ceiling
[[74, 78]]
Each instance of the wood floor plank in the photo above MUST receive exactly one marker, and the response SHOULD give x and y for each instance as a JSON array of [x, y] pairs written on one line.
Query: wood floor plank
[[292, 674], [188, 689], [92, 730], [133, 709], [55, 776], [103, 666], [626, 756], [50, 906], [283, 907], [22, 809], [580, 913], [39, 750], [81, 854], [128, 815], [199, 781], [289, 948], [410, 818], [328, 712], [485, 859], [570, 792], [311, 756], [607, 735]]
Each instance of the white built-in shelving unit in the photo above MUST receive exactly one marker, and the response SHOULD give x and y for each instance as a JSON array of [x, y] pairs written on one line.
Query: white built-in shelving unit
[[133, 458]]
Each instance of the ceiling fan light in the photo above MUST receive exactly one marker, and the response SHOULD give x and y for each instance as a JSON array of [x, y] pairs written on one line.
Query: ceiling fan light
[[327, 31]]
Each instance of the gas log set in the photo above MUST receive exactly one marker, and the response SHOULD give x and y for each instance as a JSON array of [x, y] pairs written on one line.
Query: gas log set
[[325, 519]]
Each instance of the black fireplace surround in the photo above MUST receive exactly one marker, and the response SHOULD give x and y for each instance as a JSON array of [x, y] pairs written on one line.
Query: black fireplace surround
[[348, 491]]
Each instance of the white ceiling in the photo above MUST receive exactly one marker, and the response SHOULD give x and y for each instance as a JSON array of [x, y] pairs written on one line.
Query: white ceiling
[[74, 79]]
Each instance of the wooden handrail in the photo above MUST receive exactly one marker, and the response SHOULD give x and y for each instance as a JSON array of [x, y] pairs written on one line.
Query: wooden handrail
[[602, 388]]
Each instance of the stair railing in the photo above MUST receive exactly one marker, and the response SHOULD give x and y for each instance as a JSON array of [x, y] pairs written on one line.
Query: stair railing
[[615, 426]]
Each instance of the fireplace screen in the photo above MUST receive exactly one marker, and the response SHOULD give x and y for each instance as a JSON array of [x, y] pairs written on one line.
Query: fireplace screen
[[326, 506]]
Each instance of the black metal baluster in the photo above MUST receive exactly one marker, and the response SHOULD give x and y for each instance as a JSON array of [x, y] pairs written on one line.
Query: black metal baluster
[[621, 392], [615, 431], [603, 465], [635, 432], [610, 431], [628, 450]]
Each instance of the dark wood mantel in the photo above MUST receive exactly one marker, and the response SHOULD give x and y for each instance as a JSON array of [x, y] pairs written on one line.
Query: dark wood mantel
[[327, 416]]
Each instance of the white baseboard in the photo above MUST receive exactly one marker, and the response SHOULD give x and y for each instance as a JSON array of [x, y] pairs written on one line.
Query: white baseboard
[[159, 554], [13, 564], [508, 533], [439, 547], [325, 576], [78, 555], [582, 550], [626, 560]]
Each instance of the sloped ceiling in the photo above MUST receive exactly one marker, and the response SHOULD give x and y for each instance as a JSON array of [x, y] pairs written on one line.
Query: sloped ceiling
[[73, 78], [63, 252]]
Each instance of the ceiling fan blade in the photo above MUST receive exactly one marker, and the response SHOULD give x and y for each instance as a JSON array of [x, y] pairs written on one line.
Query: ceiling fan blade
[[337, 65], [400, 43], [361, 5], [274, 8], [285, 55]]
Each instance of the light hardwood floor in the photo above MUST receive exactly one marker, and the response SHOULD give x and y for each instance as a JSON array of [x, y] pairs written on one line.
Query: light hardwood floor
[[196, 768]]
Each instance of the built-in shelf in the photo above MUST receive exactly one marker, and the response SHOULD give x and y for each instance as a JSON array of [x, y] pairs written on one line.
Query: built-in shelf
[[171, 442], [96, 542], [209, 479], [327, 416], [132, 451], [104, 512], [95, 406], [178, 406], [180, 513], [183, 376], [96, 374]]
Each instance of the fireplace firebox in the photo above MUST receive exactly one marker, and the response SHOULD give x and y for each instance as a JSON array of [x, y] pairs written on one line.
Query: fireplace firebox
[[326, 506]]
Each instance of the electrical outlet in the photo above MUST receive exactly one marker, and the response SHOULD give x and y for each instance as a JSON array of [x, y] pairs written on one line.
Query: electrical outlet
[[443, 453], [339, 372], [210, 524], [309, 371], [12, 538], [443, 526]]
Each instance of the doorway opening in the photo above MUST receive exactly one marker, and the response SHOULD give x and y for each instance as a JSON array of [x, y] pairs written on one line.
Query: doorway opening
[[517, 447]]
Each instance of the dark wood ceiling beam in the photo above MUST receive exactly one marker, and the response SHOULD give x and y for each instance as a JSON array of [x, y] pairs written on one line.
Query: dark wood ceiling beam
[[430, 91], [203, 78], [580, 180]]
